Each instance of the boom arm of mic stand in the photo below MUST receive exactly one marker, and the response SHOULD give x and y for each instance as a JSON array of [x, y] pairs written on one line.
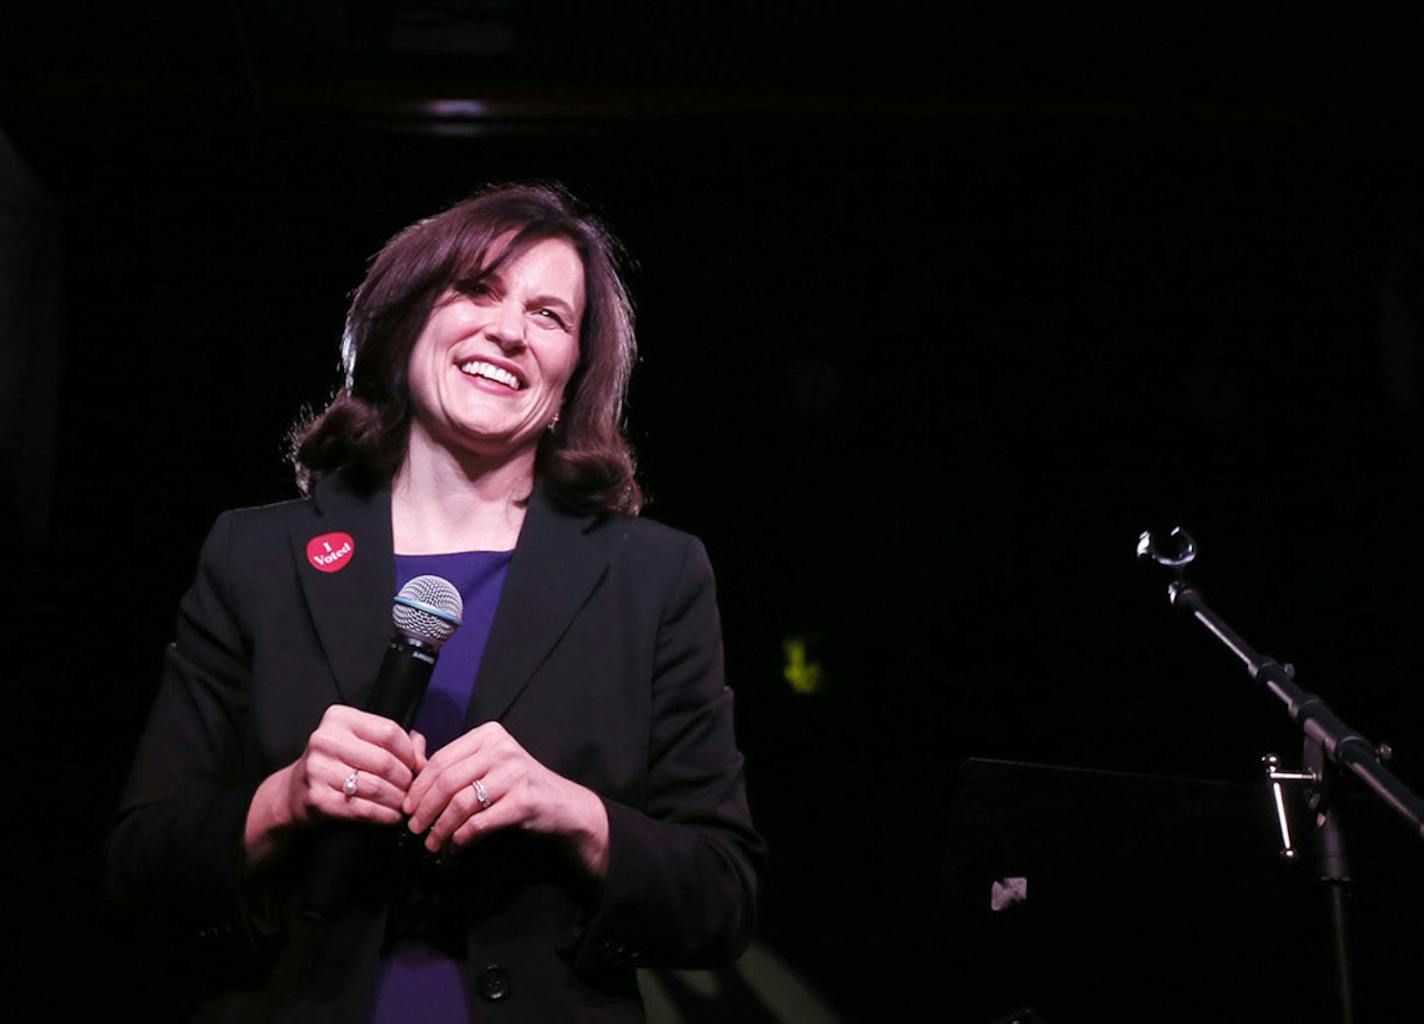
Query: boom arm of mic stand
[[1342, 744]]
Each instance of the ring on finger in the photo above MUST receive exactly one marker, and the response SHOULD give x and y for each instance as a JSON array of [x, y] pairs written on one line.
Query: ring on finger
[[349, 786], [481, 794]]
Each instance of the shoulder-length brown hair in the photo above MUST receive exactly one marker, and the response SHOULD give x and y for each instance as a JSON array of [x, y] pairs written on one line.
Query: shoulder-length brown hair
[[585, 461]]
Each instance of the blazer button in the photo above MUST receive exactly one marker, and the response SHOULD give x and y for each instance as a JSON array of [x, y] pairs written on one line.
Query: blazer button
[[492, 983]]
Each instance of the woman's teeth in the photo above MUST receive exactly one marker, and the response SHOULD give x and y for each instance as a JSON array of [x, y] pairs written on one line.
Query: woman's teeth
[[477, 368]]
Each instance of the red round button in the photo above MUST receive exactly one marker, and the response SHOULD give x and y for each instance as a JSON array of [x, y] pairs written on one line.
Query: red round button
[[331, 551]]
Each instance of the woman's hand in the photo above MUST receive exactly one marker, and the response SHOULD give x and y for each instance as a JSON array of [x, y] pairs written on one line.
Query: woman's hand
[[517, 792], [356, 767]]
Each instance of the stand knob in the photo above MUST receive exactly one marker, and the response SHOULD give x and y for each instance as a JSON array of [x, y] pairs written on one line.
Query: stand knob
[[1176, 550]]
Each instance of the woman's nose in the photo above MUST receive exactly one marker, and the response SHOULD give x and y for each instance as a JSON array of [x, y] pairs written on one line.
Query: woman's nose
[[507, 326]]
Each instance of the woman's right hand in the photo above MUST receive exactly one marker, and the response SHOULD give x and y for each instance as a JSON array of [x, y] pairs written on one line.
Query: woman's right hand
[[382, 757]]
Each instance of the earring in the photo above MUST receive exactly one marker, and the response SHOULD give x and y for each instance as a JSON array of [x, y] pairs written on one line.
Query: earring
[[553, 423]]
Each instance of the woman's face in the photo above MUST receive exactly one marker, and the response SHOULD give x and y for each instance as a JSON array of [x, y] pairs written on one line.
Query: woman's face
[[488, 371]]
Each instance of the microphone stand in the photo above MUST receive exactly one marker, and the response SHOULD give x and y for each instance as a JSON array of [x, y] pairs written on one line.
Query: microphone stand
[[1330, 745]]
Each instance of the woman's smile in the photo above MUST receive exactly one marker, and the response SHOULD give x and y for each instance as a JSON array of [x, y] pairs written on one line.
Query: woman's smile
[[484, 372]]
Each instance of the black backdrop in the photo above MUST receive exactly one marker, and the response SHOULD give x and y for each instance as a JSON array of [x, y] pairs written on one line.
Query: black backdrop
[[933, 323]]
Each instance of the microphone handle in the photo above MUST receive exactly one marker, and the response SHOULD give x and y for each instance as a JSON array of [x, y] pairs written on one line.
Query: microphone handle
[[400, 687], [402, 681]]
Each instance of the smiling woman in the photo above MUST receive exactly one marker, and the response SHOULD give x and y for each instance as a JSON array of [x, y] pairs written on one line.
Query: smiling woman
[[571, 793], [464, 253], [488, 372]]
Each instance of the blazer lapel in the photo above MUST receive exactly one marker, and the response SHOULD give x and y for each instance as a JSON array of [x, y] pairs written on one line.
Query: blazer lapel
[[554, 570], [350, 607]]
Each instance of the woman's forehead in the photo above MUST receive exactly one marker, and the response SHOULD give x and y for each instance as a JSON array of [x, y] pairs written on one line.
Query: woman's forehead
[[553, 259], [510, 246]]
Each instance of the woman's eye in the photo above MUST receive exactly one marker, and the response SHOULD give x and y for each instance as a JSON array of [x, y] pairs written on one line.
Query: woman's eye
[[549, 314], [474, 289]]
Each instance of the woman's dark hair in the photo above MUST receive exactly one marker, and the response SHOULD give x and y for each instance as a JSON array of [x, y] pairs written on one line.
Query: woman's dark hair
[[584, 461]]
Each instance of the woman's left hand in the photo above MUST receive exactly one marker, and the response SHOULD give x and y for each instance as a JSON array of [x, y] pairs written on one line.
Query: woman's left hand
[[518, 792]]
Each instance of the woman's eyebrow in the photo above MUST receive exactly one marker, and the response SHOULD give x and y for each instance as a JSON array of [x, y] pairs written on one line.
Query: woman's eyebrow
[[552, 300]]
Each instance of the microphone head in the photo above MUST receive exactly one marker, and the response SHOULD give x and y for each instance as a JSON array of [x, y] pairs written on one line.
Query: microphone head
[[428, 610]]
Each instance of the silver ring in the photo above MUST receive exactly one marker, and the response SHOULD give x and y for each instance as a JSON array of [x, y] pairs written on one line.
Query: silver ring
[[481, 795], [349, 786]]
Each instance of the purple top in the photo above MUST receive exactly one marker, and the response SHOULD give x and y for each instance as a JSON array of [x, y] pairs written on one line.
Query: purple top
[[417, 982]]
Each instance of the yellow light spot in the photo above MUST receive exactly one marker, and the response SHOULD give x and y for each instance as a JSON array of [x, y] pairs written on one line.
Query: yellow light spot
[[803, 675]]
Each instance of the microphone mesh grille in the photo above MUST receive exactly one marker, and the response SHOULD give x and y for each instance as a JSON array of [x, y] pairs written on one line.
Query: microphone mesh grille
[[421, 625]]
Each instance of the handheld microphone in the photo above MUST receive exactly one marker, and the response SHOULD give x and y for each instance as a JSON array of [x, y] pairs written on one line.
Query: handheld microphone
[[426, 613]]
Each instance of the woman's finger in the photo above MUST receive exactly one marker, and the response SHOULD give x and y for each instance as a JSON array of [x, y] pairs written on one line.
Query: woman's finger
[[326, 789], [337, 806], [356, 785], [447, 757], [441, 788], [355, 766], [505, 814], [483, 792], [383, 733], [351, 752], [505, 789]]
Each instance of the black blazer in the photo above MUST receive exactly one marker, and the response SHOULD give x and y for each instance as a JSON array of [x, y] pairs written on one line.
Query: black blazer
[[604, 661]]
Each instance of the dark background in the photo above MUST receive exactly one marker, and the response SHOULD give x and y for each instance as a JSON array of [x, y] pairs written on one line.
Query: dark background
[[935, 319]]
